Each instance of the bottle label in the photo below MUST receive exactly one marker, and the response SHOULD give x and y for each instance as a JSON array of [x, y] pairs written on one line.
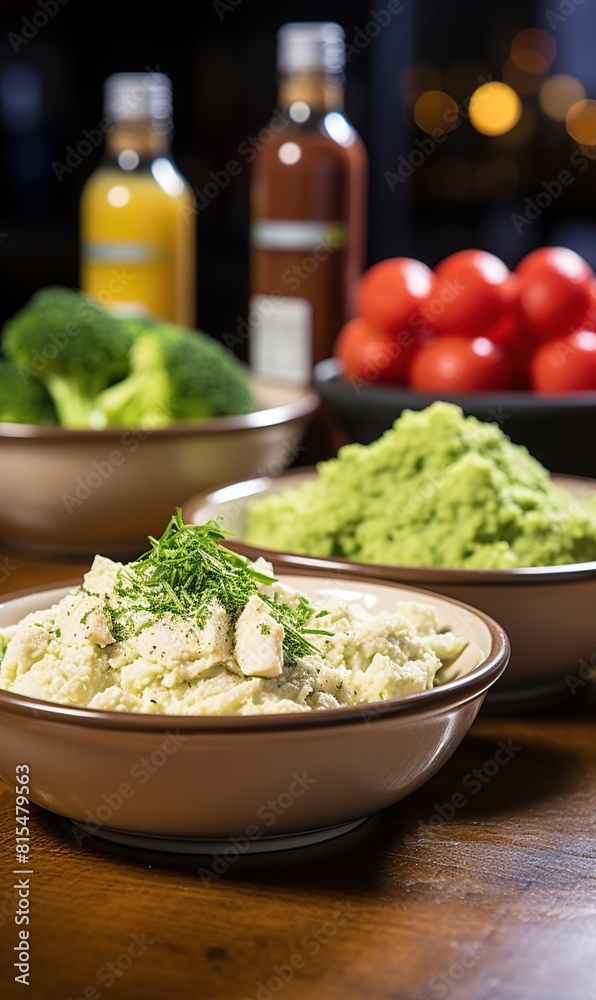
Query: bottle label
[[123, 253], [281, 333], [289, 234]]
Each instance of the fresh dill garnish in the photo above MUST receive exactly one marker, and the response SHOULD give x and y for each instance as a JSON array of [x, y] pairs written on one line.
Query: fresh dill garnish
[[185, 572]]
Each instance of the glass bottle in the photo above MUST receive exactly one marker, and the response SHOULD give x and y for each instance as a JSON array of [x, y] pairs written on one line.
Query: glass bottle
[[308, 209], [137, 219]]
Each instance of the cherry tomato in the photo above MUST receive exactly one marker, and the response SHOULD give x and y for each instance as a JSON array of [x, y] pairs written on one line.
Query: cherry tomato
[[390, 294], [519, 344], [555, 291], [589, 321], [473, 294], [373, 355], [459, 364], [567, 364]]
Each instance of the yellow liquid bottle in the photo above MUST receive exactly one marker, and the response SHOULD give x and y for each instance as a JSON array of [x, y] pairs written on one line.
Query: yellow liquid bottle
[[137, 215]]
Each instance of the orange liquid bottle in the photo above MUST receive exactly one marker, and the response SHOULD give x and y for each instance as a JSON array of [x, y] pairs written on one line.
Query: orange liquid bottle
[[138, 224], [308, 210]]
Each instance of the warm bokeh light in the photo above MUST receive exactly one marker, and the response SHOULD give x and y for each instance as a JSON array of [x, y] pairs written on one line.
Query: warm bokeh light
[[495, 109], [533, 50], [452, 178], [581, 122], [559, 93], [436, 110], [497, 179], [526, 84]]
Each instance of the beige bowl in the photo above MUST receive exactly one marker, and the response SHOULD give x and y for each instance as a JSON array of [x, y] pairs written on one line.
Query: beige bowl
[[83, 491], [548, 612], [273, 780]]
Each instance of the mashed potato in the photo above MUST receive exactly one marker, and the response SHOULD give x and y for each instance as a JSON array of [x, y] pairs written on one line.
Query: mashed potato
[[67, 654]]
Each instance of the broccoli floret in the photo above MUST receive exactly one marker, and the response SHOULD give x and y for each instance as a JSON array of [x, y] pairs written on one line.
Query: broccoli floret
[[23, 399], [72, 345], [176, 375]]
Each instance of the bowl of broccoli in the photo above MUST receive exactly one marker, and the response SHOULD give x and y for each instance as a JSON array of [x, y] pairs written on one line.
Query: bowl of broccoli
[[106, 423]]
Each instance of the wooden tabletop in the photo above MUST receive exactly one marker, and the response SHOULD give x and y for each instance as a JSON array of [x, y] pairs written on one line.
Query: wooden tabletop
[[480, 886]]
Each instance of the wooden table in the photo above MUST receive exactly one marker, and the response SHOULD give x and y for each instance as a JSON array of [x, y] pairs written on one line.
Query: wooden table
[[492, 900]]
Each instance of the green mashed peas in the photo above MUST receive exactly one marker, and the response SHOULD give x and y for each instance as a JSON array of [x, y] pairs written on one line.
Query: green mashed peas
[[437, 489]]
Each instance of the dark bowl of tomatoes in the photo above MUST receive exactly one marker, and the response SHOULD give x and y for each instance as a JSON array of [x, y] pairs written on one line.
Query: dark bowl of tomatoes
[[559, 430], [516, 347]]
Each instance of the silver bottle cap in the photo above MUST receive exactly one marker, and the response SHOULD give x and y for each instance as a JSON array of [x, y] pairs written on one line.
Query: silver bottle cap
[[138, 97], [311, 45]]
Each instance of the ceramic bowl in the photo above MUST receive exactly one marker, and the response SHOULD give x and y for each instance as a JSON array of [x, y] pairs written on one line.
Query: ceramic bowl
[[548, 612], [77, 492], [193, 784], [554, 428]]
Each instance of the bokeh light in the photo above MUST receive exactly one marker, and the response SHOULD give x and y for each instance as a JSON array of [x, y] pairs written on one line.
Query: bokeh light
[[533, 50], [559, 93], [495, 109], [581, 122], [289, 153], [436, 110]]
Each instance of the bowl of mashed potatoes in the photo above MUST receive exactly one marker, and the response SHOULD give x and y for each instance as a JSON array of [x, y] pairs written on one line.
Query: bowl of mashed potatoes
[[450, 504], [193, 696]]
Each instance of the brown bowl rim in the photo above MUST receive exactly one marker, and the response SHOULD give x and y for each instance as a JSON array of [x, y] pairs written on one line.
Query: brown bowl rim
[[448, 696], [413, 575], [307, 403]]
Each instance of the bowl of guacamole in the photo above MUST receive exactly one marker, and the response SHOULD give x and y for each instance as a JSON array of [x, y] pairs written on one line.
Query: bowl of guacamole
[[449, 503]]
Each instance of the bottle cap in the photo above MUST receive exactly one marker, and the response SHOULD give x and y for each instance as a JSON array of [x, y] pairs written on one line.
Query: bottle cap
[[139, 96], [311, 45]]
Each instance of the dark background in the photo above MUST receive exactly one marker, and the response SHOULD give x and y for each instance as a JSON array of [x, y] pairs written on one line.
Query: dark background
[[223, 72]]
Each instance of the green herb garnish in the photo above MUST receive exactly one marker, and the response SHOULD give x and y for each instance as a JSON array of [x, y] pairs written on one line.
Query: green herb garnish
[[185, 572]]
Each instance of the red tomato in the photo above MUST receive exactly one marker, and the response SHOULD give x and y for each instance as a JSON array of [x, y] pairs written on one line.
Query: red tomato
[[555, 291], [519, 344], [567, 364], [390, 294], [473, 294], [589, 322], [373, 355], [458, 364]]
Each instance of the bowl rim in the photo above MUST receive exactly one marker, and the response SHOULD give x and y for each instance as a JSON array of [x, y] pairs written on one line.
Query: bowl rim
[[303, 406], [330, 370], [414, 575], [448, 696]]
